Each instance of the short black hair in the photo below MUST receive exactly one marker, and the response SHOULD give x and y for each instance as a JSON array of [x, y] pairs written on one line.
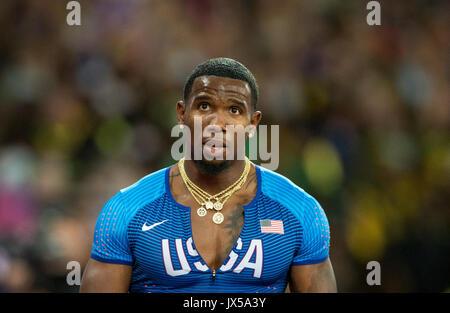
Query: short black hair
[[223, 67]]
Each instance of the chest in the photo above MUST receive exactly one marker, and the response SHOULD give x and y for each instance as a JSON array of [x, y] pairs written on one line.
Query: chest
[[214, 241], [187, 248]]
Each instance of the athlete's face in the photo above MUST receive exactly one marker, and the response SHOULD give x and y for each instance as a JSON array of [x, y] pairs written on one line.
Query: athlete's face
[[218, 102]]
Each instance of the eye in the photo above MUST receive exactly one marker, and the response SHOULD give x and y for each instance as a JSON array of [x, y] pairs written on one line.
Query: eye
[[203, 106], [235, 110]]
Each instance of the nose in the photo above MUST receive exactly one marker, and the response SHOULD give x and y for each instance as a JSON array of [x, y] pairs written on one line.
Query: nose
[[218, 122]]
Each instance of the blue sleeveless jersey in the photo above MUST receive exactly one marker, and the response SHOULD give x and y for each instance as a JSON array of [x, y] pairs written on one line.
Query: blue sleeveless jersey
[[144, 227]]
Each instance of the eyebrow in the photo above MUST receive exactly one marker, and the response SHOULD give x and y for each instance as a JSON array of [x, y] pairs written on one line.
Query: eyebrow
[[206, 97], [238, 102]]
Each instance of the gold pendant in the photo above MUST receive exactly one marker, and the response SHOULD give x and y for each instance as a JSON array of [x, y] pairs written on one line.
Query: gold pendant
[[209, 205], [218, 218], [201, 211], [218, 206]]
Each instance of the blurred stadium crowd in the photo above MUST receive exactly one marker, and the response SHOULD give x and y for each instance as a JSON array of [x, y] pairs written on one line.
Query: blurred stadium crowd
[[363, 114]]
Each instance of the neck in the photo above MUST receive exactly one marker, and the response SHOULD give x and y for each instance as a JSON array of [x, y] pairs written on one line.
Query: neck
[[214, 181]]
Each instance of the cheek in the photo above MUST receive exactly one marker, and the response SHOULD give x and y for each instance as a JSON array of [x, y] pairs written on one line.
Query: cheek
[[238, 119], [238, 134], [193, 120]]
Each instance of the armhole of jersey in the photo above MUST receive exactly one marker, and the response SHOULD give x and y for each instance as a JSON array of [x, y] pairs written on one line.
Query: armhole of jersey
[[110, 261], [309, 262]]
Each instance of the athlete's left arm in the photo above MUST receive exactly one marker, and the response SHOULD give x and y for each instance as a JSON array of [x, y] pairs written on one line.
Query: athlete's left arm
[[311, 269], [317, 278]]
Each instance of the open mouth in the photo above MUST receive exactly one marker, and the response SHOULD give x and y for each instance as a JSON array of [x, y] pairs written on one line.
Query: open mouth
[[214, 147], [214, 143]]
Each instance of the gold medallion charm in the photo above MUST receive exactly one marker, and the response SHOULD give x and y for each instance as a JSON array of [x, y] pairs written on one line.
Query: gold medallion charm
[[218, 206], [201, 211], [209, 205], [218, 218]]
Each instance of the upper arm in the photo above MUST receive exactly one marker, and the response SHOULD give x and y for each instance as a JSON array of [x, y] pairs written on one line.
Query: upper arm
[[314, 233], [110, 266], [311, 269], [105, 277], [110, 241], [317, 277]]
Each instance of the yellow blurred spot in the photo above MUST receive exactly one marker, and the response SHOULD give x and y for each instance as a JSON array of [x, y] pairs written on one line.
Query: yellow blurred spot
[[365, 235], [56, 137], [437, 165], [323, 166], [114, 136]]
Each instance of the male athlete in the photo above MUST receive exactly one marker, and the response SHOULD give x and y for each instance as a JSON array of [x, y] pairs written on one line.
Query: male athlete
[[152, 236]]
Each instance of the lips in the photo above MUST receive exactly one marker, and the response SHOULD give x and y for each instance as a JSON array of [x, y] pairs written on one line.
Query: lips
[[214, 143]]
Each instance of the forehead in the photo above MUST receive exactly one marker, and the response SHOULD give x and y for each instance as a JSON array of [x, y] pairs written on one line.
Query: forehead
[[217, 85]]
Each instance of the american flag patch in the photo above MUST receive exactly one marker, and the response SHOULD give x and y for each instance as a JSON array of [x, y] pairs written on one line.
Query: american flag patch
[[272, 226]]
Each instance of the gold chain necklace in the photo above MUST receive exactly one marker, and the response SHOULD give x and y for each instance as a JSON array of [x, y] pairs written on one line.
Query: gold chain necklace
[[205, 199]]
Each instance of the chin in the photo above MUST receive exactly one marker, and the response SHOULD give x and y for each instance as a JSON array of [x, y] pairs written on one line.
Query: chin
[[213, 166]]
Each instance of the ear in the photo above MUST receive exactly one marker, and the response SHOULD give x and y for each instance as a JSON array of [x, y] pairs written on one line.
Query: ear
[[256, 118], [254, 121], [181, 110]]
